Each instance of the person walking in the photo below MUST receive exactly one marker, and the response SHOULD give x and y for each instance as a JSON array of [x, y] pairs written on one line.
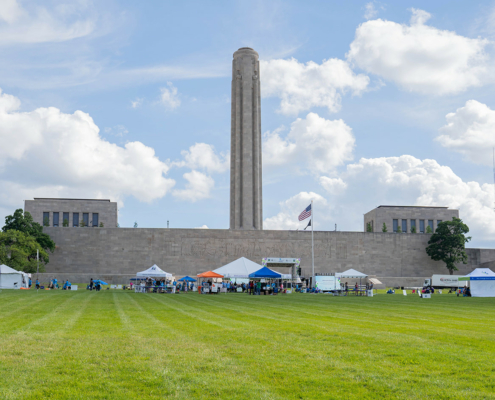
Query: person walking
[[251, 284], [37, 284]]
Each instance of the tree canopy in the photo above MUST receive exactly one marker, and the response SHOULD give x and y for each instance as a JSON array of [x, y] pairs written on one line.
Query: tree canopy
[[448, 242], [23, 222], [18, 251]]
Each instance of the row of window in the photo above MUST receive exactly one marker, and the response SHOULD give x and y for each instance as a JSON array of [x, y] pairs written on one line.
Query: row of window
[[75, 219], [412, 225]]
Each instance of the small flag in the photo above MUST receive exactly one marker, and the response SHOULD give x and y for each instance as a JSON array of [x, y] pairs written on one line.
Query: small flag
[[305, 214], [309, 224]]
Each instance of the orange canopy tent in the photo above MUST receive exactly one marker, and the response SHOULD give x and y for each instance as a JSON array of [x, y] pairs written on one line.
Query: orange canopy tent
[[209, 274]]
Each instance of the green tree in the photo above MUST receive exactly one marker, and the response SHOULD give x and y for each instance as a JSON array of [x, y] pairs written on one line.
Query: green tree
[[448, 243], [18, 251], [23, 222], [101, 225], [46, 221], [65, 223], [428, 229], [82, 224], [369, 228], [384, 228], [413, 229], [135, 224], [399, 229]]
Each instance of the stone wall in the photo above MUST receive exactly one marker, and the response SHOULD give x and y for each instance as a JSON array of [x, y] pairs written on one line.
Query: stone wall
[[117, 254]]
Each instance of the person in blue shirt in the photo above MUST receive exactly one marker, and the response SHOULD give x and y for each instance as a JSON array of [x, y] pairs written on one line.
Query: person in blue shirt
[[30, 283], [37, 284]]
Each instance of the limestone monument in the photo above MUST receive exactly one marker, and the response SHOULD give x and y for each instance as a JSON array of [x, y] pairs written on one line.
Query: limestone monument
[[246, 208]]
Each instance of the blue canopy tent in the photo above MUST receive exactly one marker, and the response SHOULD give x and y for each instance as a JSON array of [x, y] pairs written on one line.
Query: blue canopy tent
[[187, 279], [265, 273]]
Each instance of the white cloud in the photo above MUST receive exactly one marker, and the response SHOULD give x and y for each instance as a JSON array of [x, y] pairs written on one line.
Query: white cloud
[[39, 25], [137, 103], [406, 180], [303, 86], [287, 218], [203, 156], [47, 153], [198, 187], [470, 130], [370, 11], [333, 185], [418, 57], [313, 144], [202, 227], [169, 97]]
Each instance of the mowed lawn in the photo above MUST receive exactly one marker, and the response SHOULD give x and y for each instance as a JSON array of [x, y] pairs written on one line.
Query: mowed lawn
[[122, 345]]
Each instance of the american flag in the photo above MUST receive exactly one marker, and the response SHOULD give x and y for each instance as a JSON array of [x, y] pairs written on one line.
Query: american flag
[[305, 214]]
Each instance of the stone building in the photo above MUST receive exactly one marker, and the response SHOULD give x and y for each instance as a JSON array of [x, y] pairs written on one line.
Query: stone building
[[74, 212], [408, 218], [116, 254]]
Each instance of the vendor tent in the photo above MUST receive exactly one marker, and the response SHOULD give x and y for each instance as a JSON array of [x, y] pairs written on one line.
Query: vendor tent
[[481, 282], [350, 274], [240, 268], [265, 273], [187, 279], [209, 274], [12, 279], [154, 272]]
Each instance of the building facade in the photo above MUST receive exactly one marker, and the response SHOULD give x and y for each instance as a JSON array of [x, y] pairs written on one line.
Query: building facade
[[73, 212], [407, 219]]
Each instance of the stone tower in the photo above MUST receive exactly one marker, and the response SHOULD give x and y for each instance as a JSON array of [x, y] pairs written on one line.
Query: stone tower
[[246, 208]]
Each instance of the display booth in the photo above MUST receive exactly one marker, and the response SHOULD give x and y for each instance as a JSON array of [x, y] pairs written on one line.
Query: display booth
[[185, 281], [292, 263], [481, 282], [262, 276], [153, 272], [353, 274], [208, 282], [13, 279]]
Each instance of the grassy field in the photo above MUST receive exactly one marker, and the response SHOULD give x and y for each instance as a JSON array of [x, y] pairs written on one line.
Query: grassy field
[[122, 345]]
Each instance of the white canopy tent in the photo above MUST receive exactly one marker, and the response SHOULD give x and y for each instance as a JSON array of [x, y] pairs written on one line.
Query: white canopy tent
[[481, 282], [12, 279], [351, 274], [153, 272], [241, 268]]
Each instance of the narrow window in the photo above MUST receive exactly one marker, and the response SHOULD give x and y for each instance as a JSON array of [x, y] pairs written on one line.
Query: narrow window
[[430, 224], [55, 219], [396, 225], [65, 221], [95, 219], [404, 226], [46, 219], [421, 226], [75, 219], [86, 219], [413, 226]]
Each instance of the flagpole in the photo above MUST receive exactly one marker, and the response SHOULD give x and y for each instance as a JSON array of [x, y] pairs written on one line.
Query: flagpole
[[312, 246]]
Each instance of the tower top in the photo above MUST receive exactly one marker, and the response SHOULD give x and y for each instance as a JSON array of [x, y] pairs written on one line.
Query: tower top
[[246, 50]]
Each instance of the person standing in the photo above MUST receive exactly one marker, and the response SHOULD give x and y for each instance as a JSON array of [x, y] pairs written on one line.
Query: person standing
[[37, 284], [30, 283], [251, 287], [91, 284]]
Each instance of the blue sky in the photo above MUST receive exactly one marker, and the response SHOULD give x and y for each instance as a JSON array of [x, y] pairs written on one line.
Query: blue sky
[[364, 103]]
